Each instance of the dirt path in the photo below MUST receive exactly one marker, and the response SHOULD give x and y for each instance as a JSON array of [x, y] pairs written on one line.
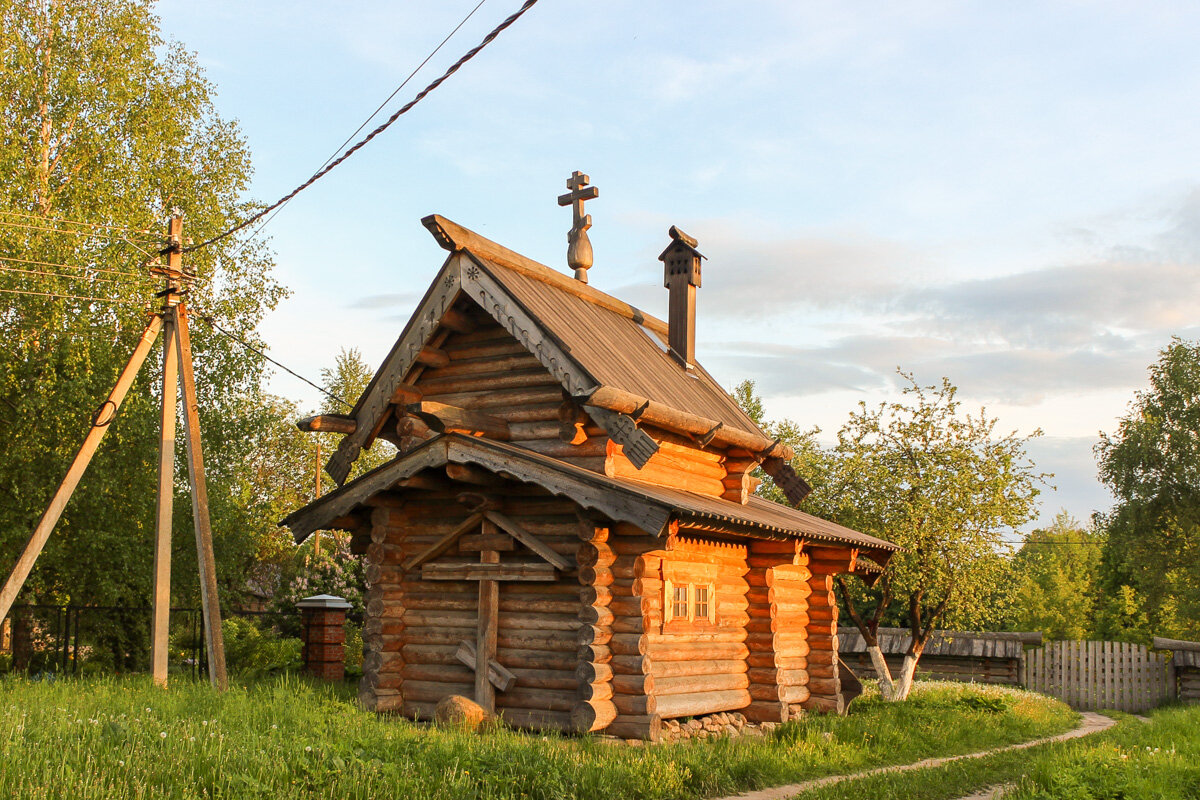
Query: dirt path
[[1092, 723]]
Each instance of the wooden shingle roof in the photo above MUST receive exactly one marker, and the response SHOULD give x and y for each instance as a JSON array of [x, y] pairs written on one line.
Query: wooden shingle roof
[[648, 506], [620, 352]]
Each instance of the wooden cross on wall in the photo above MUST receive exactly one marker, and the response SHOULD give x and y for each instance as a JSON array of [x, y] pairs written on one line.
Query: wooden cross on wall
[[579, 246], [497, 533]]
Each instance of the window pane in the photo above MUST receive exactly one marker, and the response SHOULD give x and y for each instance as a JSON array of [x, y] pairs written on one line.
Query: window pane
[[679, 603], [701, 602]]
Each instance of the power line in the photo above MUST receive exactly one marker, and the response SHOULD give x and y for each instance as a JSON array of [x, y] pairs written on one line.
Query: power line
[[76, 297], [208, 318], [74, 266], [365, 122], [67, 231], [75, 222], [387, 124], [66, 275]]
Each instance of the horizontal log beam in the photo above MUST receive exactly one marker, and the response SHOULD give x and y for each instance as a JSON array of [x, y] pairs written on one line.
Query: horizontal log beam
[[444, 418], [473, 571], [328, 423]]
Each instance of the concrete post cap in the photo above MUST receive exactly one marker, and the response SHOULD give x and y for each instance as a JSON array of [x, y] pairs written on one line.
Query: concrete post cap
[[326, 601]]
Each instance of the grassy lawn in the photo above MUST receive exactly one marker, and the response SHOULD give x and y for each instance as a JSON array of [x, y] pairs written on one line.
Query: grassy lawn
[[121, 738], [1132, 761]]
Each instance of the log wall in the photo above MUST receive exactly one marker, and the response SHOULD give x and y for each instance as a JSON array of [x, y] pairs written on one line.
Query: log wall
[[824, 685], [697, 667], [595, 709], [414, 626], [679, 464], [491, 372], [627, 578], [779, 620], [1188, 684]]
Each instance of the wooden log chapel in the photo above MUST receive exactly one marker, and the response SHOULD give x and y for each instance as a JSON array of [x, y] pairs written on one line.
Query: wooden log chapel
[[569, 533]]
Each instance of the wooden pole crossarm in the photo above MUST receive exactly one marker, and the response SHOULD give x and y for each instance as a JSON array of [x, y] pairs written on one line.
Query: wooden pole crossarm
[[104, 416]]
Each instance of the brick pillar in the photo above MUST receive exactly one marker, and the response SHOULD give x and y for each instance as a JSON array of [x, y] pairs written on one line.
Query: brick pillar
[[324, 635]]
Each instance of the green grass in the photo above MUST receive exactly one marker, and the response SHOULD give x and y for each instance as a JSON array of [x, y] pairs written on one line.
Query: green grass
[[1159, 760], [1131, 761], [120, 738]]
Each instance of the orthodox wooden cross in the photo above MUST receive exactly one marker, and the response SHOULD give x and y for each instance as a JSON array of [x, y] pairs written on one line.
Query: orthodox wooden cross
[[579, 247], [497, 533]]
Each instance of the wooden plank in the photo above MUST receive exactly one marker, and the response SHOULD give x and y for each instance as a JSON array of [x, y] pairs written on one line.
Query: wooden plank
[[487, 631], [161, 613], [443, 544], [472, 571], [499, 675], [209, 601], [478, 542], [637, 445], [100, 426], [526, 538]]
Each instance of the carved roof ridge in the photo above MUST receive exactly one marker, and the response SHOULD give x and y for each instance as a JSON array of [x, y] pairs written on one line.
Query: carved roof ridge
[[454, 237]]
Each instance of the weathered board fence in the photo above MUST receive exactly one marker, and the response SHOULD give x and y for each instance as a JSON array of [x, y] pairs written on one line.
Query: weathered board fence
[[1087, 675], [1186, 661], [1090, 676], [949, 655]]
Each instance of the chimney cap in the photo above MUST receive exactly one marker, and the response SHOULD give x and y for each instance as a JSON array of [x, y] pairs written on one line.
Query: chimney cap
[[679, 239]]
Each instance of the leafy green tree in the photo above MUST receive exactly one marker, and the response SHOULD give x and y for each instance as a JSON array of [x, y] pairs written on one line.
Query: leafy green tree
[[935, 481], [1151, 563], [1054, 577], [106, 124], [347, 379], [810, 461], [941, 484]]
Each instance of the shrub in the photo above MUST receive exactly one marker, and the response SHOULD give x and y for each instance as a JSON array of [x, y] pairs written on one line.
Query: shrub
[[353, 653], [251, 653]]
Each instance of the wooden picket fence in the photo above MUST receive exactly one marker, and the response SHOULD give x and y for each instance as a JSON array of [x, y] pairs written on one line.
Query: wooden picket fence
[[1093, 675]]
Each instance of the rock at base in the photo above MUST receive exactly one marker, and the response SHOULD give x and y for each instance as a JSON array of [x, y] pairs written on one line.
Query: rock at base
[[459, 712]]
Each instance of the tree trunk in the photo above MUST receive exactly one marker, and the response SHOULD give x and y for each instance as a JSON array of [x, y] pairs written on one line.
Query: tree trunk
[[904, 682], [887, 687]]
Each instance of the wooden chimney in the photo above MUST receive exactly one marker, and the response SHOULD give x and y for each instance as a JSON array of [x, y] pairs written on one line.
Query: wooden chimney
[[681, 268]]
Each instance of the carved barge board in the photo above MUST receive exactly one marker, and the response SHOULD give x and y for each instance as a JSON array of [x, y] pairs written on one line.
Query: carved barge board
[[480, 286], [400, 360]]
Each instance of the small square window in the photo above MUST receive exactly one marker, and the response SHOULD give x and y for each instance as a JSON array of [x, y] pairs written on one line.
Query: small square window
[[679, 603]]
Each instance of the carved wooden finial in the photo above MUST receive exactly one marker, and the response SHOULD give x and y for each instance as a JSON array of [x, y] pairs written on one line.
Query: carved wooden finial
[[579, 247]]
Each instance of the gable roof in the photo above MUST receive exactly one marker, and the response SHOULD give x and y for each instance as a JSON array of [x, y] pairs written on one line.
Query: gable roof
[[606, 353], [645, 505], [619, 352]]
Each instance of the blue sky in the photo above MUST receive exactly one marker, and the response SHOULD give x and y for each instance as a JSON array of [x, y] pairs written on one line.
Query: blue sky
[[1002, 193]]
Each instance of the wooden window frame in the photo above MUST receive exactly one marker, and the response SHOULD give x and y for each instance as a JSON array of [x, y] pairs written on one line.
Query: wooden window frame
[[676, 622]]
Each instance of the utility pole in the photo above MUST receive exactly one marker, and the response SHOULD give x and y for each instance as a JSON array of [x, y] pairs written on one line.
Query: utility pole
[[205, 558], [160, 629], [317, 495], [177, 375]]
